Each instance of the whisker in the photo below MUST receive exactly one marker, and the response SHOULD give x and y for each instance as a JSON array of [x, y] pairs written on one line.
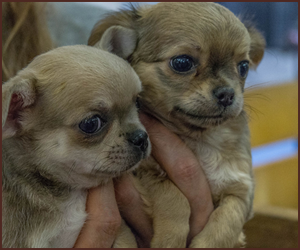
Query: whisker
[[256, 86]]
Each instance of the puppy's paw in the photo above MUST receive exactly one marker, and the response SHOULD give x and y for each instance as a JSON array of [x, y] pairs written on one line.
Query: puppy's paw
[[175, 238], [125, 238], [201, 243], [241, 241], [169, 241], [210, 241]]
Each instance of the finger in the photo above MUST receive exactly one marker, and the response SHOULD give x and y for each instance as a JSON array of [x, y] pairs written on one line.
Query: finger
[[103, 219], [183, 169], [131, 208]]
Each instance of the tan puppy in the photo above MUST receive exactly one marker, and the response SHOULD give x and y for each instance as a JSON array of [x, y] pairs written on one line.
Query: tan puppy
[[192, 59], [69, 123]]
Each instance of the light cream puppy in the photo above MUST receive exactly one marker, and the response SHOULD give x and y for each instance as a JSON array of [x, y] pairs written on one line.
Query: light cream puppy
[[69, 123], [192, 59]]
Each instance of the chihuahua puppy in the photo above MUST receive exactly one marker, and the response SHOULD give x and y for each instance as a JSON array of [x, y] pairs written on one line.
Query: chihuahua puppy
[[69, 123], [192, 59]]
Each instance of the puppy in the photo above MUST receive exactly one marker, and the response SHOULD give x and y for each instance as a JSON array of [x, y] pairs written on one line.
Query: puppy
[[69, 123], [192, 59]]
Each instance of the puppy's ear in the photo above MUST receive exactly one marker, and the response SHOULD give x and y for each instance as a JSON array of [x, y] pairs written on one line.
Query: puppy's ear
[[118, 40], [17, 95], [124, 26], [258, 44]]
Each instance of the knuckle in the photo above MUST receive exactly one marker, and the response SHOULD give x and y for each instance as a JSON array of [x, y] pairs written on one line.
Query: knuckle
[[110, 226], [126, 195], [188, 170]]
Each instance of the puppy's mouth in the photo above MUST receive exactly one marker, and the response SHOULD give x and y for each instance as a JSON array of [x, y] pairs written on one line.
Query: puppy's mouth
[[197, 121], [117, 172], [127, 168], [196, 116], [118, 164]]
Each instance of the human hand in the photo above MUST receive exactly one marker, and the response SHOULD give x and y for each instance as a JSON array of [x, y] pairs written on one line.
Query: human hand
[[103, 220]]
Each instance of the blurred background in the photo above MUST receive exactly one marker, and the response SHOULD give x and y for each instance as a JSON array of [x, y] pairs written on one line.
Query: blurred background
[[271, 99]]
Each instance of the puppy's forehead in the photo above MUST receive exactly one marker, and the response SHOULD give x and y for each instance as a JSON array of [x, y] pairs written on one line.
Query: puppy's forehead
[[196, 24], [85, 74]]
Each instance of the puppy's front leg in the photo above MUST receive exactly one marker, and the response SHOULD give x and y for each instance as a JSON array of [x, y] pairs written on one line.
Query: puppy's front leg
[[224, 226], [125, 238], [171, 212]]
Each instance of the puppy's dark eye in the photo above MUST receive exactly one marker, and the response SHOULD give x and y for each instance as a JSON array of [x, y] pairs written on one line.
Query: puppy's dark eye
[[182, 63], [91, 125], [243, 68], [137, 103]]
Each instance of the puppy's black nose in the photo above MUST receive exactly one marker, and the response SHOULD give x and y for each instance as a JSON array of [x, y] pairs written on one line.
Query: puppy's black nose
[[225, 95], [139, 139]]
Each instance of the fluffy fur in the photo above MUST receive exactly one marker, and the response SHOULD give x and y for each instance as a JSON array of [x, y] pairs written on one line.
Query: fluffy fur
[[48, 161], [188, 104]]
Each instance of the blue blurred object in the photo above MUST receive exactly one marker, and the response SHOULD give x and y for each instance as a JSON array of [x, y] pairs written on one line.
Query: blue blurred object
[[277, 151], [275, 19]]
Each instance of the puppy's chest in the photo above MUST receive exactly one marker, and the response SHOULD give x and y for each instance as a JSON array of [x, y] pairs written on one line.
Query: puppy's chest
[[72, 219], [224, 164]]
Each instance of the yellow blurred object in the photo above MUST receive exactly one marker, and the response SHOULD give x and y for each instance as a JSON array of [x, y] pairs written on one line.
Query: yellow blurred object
[[273, 113], [277, 184]]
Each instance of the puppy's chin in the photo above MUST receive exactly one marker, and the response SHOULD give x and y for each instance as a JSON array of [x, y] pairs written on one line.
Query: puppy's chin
[[85, 173], [115, 167], [116, 173], [197, 121], [192, 124]]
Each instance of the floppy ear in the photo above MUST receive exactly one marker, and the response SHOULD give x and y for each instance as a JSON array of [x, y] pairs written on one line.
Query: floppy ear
[[258, 44], [118, 40], [117, 33], [17, 95]]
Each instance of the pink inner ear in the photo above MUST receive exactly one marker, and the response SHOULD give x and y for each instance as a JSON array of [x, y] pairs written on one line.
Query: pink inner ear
[[12, 121], [16, 105]]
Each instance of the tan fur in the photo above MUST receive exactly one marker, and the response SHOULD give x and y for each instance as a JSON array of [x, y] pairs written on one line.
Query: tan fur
[[219, 41], [48, 162]]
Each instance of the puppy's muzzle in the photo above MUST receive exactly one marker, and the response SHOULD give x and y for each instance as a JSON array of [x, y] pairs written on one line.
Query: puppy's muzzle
[[139, 139], [224, 95]]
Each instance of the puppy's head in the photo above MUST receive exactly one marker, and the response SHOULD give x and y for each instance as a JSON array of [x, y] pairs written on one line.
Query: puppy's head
[[73, 114], [192, 58]]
